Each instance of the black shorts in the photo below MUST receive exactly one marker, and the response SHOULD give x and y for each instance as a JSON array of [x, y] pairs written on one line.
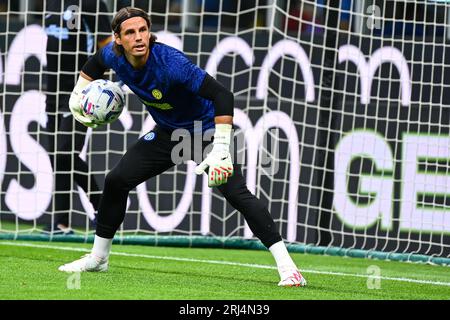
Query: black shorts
[[156, 152]]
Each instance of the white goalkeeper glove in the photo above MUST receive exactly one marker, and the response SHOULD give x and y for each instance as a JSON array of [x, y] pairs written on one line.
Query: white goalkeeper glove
[[75, 103], [219, 159]]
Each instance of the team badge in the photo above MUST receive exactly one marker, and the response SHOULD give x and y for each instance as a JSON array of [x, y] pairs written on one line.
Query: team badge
[[157, 94], [150, 136]]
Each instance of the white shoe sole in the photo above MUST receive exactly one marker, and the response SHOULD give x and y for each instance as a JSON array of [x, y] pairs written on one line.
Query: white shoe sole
[[75, 271], [292, 283]]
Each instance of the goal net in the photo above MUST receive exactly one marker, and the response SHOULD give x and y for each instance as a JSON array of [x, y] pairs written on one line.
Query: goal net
[[341, 114]]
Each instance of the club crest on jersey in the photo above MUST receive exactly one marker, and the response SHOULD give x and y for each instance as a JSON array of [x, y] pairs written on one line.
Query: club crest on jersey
[[150, 136], [157, 94]]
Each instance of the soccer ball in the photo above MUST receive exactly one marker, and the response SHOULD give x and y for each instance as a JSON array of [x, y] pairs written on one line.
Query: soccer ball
[[103, 101]]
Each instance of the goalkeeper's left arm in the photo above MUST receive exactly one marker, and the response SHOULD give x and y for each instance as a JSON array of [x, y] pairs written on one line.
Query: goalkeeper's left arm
[[219, 159]]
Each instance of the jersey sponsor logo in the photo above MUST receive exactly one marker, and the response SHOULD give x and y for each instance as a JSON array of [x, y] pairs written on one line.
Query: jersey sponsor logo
[[157, 94], [161, 106], [150, 136]]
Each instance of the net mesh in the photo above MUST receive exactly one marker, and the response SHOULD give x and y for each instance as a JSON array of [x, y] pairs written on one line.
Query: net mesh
[[340, 108]]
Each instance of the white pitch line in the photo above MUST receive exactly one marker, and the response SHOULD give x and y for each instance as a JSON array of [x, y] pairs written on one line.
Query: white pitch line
[[229, 263]]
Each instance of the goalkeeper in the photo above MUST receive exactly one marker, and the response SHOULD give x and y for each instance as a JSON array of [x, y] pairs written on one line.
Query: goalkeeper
[[176, 93]]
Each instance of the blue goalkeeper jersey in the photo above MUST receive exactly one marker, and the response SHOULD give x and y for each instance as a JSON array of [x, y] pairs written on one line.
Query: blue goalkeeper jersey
[[168, 86]]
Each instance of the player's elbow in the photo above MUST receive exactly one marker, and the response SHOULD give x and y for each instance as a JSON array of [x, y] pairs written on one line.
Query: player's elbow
[[224, 103], [223, 99]]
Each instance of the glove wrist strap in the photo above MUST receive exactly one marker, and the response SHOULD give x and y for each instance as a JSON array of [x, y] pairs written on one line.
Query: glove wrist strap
[[223, 134], [81, 84]]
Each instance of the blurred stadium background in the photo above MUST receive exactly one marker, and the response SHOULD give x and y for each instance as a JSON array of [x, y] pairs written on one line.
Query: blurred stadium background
[[353, 93]]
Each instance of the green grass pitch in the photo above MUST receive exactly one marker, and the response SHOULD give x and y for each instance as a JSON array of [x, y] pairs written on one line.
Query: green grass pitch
[[28, 270]]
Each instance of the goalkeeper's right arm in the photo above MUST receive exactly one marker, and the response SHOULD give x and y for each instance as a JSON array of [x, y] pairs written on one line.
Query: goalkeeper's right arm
[[75, 101], [92, 69]]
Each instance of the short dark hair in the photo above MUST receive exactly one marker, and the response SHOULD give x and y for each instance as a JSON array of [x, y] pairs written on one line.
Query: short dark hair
[[125, 14]]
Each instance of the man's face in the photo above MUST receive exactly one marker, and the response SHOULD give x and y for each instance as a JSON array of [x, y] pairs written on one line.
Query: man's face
[[134, 36]]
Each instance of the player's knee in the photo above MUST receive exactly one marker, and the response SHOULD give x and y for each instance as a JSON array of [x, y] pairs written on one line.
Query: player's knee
[[115, 180], [239, 195], [233, 197]]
